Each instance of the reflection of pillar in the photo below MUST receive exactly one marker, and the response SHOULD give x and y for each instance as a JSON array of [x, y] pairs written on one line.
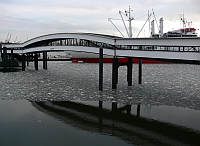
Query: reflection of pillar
[[114, 73], [101, 69], [128, 109], [129, 71], [114, 110], [23, 62], [36, 61], [138, 110], [100, 115]]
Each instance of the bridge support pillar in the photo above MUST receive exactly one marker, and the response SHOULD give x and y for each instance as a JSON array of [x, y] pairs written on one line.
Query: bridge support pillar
[[115, 67], [114, 73], [12, 59], [31, 57], [23, 62], [140, 71], [1, 51], [5, 61], [45, 60], [100, 69], [28, 59], [36, 61], [129, 71]]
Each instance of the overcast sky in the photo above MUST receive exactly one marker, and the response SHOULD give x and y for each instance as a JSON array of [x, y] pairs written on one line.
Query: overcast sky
[[26, 19]]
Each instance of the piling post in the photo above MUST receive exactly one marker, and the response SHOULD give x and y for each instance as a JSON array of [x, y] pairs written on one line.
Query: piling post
[[28, 59], [36, 61], [100, 69], [31, 57], [12, 59], [114, 73], [23, 62], [5, 58], [45, 60], [1, 51], [115, 69], [129, 71], [140, 71]]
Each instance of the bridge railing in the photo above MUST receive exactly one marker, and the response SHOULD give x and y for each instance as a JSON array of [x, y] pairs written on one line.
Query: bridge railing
[[97, 44], [69, 42], [161, 48]]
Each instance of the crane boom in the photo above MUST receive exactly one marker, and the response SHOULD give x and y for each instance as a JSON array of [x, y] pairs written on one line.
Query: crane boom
[[109, 19]]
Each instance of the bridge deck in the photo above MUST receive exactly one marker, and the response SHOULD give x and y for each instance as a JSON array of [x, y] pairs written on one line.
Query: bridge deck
[[162, 48]]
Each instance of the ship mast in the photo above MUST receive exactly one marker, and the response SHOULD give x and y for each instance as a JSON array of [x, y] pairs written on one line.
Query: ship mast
[[130, 26], [127, 14], [184, 21]]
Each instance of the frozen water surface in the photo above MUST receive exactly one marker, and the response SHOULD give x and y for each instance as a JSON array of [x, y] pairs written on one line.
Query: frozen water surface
[[163, 84]]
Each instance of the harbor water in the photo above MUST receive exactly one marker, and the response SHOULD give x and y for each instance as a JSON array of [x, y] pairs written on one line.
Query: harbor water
[[63, 106]]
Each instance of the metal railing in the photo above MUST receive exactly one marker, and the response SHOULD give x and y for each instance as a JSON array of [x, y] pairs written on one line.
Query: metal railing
[[91, 43]]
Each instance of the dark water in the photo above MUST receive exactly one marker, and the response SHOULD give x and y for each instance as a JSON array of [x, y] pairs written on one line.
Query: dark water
[[62, 106]]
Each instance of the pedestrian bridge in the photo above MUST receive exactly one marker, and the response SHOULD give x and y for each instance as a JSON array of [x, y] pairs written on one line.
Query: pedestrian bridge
[[173, 49], [155, 48]]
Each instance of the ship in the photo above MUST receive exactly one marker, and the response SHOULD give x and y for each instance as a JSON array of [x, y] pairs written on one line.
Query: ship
[[77, 57], [184, 32], [94, 58]]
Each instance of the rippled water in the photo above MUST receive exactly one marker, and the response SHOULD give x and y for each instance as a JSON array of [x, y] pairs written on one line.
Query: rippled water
[[173, 89]]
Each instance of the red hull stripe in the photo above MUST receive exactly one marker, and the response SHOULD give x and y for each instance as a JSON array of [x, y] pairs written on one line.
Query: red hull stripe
[[109, 60]]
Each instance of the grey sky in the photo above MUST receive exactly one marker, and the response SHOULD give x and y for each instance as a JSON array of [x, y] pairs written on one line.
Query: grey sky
[[27, 19]]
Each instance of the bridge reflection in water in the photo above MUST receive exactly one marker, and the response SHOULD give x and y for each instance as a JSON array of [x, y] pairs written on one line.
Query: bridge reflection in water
[[119, 122]]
